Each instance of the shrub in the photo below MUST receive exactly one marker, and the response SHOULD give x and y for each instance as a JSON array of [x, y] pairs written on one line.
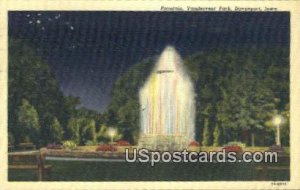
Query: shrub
[[90, 143], [236, 143], [106, 147], [123, 143], [194, 143], [69, 145]]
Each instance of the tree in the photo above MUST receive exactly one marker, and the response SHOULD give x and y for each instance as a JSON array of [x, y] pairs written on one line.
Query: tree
[[91, 115], [206, 134], [217, 75], [285, 128], [88, 131], [128, 121], [56, 132], [31, 78], [73, 130], [28, 122], [247, 103], [217, 135], [81, 130]]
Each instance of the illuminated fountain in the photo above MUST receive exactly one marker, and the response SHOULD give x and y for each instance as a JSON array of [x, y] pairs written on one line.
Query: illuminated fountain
[[167, 105]]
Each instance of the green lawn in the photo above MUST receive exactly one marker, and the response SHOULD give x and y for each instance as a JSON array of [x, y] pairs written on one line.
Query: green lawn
[[119, 171]]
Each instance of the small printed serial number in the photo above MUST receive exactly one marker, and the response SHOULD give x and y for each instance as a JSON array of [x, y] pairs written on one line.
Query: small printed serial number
[[279, 183]]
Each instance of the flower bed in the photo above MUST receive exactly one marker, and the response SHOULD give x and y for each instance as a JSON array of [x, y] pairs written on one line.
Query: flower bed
[[106, 147], [233, 148]]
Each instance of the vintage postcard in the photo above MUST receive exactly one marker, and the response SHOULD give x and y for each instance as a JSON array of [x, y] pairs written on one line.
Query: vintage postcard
[[150, 94]]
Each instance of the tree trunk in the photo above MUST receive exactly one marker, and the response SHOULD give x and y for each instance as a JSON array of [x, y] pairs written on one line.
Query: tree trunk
[[252, 139]]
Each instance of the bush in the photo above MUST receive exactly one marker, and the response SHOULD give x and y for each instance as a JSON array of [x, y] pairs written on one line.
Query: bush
[[123, 143], [90, 143], [236, 143], [70, 145], [194, 143], [106, 147]]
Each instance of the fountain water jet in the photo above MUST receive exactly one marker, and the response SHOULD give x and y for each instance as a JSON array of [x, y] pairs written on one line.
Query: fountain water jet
[[167, 105]]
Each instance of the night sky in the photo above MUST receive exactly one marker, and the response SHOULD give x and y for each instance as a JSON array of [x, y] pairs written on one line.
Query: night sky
[[87, 51]]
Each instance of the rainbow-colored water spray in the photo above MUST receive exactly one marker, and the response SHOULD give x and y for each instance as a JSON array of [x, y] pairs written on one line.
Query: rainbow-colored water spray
[[167, 100]]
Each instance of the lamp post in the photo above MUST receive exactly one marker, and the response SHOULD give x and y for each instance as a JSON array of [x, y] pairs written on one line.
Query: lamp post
[[277, 120], [112, 133]]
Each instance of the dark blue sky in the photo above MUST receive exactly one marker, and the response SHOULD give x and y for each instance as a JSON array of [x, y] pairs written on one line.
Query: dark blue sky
[[87, 51]]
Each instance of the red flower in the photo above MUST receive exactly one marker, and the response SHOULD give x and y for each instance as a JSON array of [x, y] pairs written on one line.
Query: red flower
[[194, 143]]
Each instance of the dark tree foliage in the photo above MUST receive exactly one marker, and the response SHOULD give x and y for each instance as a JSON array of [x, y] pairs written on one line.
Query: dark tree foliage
[[56, 132], [234, 75], [31, 78], [90, 114], [123, 111], [28, 123]]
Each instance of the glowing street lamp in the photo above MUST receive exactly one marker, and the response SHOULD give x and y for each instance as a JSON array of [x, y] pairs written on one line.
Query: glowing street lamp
[[112, 133], [277, 120]]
